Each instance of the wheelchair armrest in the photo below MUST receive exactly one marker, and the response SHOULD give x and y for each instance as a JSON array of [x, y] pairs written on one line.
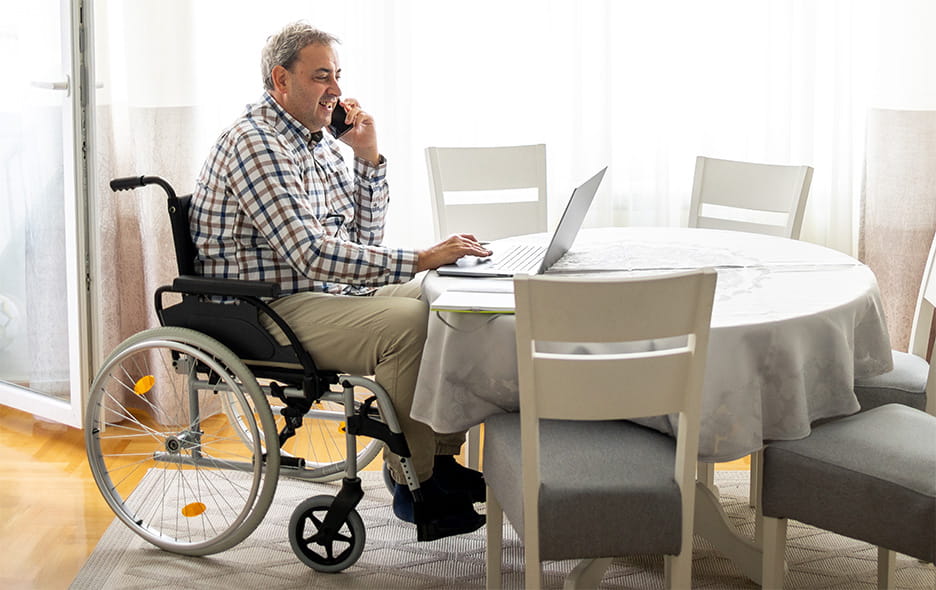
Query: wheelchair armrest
[[194, 285]]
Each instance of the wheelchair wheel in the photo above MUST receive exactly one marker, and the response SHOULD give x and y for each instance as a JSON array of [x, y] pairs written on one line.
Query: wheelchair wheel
[[320, 442], [325, 555], [164, 453]]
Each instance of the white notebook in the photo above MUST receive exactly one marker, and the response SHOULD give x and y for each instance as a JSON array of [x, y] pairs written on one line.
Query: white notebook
[[474, 302]]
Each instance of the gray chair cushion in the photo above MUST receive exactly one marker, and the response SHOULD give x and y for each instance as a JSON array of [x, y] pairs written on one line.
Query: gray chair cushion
[[906, 384], [607, 487], [870, 476]]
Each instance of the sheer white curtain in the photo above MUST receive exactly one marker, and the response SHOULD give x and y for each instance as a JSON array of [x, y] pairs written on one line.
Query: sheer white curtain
[[643, 87]]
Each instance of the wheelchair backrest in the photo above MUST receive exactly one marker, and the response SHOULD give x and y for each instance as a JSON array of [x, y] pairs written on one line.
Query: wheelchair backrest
[[181, 234], [236, 326]]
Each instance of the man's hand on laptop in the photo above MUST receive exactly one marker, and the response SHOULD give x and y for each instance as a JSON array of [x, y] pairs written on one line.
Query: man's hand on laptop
[[450, 250]]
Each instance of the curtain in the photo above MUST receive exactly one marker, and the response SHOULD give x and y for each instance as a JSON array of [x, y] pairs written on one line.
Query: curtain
[[899, 210], [643, 87]]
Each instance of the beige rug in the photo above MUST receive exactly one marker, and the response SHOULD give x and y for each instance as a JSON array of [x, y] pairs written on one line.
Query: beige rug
[[393, 559]]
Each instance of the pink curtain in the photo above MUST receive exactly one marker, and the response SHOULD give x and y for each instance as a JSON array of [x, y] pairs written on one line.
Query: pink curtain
[[898, 210], [134, 238]]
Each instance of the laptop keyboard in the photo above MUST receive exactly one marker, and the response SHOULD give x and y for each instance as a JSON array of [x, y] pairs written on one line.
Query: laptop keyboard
[[518, 259]]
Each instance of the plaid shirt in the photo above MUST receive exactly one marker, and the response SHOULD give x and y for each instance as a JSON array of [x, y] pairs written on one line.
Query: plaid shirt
[[275, 202]]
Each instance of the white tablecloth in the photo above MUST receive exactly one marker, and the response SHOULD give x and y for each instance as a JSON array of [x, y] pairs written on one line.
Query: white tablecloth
[[792, 326]]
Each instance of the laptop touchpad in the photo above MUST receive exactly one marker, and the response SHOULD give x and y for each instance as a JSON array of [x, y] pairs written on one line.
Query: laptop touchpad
[[471, 260]]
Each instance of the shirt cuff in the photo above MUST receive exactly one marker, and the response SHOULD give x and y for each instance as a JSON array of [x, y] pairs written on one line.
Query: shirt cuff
[[404, 268], [371, 172]]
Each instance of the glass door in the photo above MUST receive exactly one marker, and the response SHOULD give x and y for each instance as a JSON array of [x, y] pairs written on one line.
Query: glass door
[[43, 189]]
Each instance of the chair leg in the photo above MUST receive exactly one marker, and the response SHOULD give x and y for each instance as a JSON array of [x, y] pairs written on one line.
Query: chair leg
[[495, 542], [887, 569], [586, 574], [473, 447], [757, 463], [677, 571], [754, 497], [532, 570], [773, 543], [705, 473]]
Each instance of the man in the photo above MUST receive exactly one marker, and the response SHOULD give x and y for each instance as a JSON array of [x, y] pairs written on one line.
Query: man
[[275, 201]]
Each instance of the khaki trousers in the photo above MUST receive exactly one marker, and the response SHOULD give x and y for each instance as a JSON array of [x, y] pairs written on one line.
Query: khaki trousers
[[380, 335]]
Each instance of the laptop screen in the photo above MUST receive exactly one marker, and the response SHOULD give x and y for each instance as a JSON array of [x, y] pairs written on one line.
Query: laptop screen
[[560, 241], [571, 221]]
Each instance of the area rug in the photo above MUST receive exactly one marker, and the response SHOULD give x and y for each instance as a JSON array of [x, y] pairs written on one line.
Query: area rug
[[393, 559]]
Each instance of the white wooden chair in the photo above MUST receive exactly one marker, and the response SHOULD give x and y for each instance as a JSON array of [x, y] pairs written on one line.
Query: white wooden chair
[[870, 476], [491, 192], [747, 196], [574, 477], [753, 197]]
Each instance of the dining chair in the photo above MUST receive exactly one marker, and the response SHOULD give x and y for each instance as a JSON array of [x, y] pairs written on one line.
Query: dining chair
[[574, 478], [870, 476], [491, 192], [753, 197], [908, 383], [748, 196]]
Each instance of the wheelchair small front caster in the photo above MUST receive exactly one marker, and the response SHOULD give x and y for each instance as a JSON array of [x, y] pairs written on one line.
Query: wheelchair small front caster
[[318, 549]]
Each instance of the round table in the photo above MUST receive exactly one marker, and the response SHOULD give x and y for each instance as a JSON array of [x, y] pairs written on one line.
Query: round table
[[793, 324]]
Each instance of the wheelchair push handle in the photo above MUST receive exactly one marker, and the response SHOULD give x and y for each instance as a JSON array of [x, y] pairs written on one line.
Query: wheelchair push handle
[[131, 182]]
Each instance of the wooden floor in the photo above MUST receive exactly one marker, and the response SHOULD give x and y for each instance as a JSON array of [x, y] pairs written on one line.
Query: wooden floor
[[51, 512]]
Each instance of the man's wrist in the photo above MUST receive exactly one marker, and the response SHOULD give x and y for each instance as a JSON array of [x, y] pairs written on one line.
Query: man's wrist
[[423, 260], [371, 156]]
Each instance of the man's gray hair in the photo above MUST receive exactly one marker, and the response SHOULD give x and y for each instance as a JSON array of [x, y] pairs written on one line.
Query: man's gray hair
[[282, 49]]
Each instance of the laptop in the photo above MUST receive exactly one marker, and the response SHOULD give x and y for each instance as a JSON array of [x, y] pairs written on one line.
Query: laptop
[[533, 259]]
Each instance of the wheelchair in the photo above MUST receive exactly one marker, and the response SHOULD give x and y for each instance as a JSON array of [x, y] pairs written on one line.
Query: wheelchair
[[189, 425]]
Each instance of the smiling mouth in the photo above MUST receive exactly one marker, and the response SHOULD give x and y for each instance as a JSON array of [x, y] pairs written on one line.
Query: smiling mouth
[[328, 104]]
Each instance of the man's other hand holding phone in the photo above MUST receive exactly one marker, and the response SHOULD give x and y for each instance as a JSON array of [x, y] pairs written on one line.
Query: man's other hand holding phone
[[355, 128]]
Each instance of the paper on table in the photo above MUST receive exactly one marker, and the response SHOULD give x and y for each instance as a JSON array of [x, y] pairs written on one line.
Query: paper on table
[[483, 285], [474, 302]]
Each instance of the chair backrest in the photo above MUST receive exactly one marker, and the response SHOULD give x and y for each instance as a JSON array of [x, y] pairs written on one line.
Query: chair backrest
[[747, 196], [491, 192], [636, 347], [614, 314], [923, 316], [178, 208]]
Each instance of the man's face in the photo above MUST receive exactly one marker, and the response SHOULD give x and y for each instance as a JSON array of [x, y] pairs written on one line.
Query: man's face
[[309, 91]]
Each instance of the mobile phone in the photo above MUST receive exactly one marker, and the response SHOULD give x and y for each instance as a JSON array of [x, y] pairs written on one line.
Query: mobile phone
[[338, 127]]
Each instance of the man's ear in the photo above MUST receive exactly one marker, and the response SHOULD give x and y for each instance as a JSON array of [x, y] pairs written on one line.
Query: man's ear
[[278, 75]]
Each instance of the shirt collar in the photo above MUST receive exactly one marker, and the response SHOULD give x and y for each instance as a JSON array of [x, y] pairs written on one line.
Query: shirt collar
[[286, 123]]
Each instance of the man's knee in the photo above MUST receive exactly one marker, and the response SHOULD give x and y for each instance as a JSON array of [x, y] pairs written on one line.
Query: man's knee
[[409, 319]]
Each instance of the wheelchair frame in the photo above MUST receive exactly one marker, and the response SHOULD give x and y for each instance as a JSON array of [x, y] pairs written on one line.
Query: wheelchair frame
[[220, 349]]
